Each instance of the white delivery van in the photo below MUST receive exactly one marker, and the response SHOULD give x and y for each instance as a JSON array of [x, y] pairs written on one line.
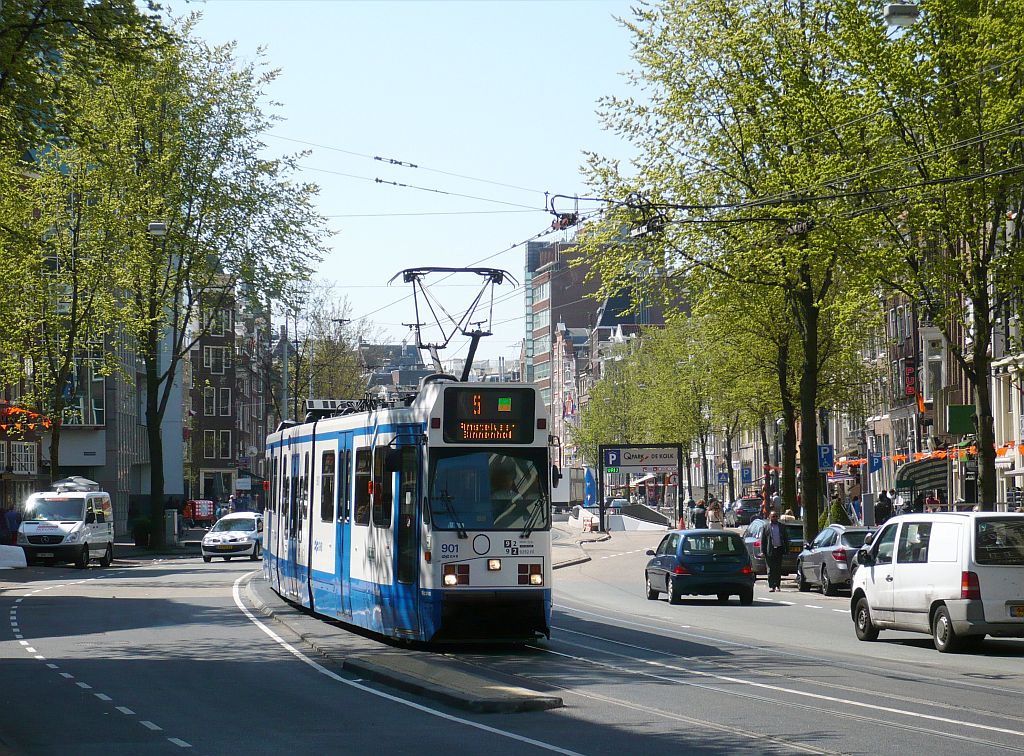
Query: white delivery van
[[958, 576], [68, 526]]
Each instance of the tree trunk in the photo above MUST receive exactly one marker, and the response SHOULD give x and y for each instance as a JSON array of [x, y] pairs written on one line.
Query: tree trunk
[[808, 314], [766, 459], [156, 448], [787, 479], [986, 436], [728, 465]]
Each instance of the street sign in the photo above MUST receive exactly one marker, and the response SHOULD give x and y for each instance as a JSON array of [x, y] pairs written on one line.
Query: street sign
[[747, 475], [826, 458], [641, 460], [874, 462], [723, 477]]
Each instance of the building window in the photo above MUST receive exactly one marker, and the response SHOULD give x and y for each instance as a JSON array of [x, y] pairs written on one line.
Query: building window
[[225, 401], [23, 457], [225, 444], [209, 401], [3, 455], [210, 444], [541, 319], [542, 291]]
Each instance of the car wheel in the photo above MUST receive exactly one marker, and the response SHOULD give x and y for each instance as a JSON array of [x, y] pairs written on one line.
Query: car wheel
[[651, 593], [827, 589], [255, 553], [207, 559], [866, 630], [747, 597], [723, 598], [83, 557], [943, 635], [674, 597], [801, 580], [108, 556]]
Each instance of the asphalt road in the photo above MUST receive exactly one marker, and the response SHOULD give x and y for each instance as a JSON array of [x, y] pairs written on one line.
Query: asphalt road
[[161, 656]]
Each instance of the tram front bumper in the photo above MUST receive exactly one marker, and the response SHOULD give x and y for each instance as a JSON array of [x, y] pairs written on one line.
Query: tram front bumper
[[491, 615]]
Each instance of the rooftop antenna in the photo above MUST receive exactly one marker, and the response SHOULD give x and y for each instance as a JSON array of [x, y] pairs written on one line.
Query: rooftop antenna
[[491, 277]]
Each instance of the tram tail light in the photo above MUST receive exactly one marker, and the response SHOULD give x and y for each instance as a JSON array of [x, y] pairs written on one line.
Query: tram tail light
[[456, 574], [531, 574]]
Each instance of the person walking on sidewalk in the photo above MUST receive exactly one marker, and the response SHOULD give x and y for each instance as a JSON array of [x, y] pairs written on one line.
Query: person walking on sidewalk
[[715, 517], [699, 517], [774, 545]]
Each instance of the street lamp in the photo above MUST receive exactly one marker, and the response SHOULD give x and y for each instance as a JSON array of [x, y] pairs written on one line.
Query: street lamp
[[901, 14], [157, 228]]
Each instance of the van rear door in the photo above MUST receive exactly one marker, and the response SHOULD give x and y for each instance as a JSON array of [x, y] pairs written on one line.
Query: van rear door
[[998, 559]]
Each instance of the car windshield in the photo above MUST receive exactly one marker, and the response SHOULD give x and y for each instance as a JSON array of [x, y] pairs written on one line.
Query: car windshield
[[855, 539], [244, 524], [999, 540], [53, 508], [713, 543], [489, 490]]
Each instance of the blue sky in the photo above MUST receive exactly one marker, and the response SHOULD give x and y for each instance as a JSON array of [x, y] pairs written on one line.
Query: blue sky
[[501, 92]]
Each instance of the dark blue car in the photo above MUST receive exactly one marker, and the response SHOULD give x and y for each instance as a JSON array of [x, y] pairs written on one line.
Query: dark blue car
[[700, 563]]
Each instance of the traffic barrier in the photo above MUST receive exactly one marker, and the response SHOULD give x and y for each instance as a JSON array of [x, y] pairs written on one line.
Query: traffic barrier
[[588, 525]]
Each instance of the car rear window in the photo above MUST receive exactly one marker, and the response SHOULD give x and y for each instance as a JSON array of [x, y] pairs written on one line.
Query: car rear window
[[713, 543], [854, 540], [999, 540], [795, 532]]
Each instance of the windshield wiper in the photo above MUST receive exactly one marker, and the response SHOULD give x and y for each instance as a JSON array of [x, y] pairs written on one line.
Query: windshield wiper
[[532, 522], [460, 528]]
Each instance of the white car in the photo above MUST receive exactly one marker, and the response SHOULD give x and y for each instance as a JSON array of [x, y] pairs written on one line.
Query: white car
[[238, 534], [958, 576]]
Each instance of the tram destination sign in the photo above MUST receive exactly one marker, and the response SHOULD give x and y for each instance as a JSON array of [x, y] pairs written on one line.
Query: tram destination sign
[[640, 460], [489, 415]]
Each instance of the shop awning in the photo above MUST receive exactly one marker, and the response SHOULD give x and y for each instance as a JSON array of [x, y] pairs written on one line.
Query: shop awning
[[924, 475]]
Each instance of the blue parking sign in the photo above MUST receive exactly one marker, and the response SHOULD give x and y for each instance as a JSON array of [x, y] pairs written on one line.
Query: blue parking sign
[[612, 457], [746, 475], [826, 458]]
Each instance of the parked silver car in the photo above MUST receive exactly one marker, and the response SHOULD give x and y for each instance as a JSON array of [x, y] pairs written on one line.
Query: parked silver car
[[237, 534], [828, 560]]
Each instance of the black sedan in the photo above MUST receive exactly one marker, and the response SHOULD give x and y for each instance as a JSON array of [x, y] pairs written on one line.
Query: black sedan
[[743, 512], [700, 563]]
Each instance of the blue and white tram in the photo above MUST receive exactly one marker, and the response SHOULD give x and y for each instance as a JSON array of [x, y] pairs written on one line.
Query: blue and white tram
[[426, 522]]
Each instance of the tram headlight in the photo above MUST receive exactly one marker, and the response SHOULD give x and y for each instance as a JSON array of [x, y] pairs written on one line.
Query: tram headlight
[[493, 565], [456, 574], [531, 574]]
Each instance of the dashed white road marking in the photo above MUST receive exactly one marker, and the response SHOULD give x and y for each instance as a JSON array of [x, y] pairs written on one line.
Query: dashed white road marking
[[103, 696], [179, 742], [84, 686], [67, 675], [124, 710], [149, 725], [813, 606]]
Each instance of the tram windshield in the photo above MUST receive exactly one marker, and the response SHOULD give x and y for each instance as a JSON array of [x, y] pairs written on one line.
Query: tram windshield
[[489, 490]]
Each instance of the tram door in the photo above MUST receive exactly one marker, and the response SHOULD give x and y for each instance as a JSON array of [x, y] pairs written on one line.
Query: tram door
[[406, 595], [360, 547], [344, 524], [381, 535], [291, 530]]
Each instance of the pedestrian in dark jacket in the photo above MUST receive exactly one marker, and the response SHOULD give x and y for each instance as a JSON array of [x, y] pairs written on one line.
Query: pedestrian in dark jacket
[[774, 545], [700, 515]]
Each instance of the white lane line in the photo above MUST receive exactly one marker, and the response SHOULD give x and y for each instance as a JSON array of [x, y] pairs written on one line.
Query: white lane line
[[775, 688], [53, 666], [124, 710], [40, 657], [149, 725], [30, 650], [84, 686], [180, 743], [103, 696], [24, 643], [813, 606], [67, 675], [841, 611], [379, 693]]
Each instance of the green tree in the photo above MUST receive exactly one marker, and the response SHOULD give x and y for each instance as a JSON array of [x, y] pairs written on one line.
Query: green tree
[[183, 133]]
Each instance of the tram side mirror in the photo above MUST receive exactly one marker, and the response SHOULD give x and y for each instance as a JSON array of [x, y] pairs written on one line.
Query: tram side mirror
[[393, 460], [556, 475]]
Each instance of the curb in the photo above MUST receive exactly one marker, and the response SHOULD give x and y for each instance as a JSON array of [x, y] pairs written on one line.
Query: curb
[[420, 673]]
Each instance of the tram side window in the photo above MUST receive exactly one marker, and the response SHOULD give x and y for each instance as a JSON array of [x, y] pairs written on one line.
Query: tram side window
[[272, 484], [363, 486], [327, 486], [290, 502], [383, 500], [345, 474], [304, 490]]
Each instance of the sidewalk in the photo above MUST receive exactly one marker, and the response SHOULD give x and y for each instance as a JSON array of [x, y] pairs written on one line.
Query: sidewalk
[[567, 545]]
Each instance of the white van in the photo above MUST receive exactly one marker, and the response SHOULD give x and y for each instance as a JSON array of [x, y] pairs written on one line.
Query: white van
[[958, 576], [68, 526]]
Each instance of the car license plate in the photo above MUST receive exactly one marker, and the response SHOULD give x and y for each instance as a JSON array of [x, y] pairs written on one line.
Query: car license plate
[[45, 554], [1017, 611], [794, 549], [224, 547]]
